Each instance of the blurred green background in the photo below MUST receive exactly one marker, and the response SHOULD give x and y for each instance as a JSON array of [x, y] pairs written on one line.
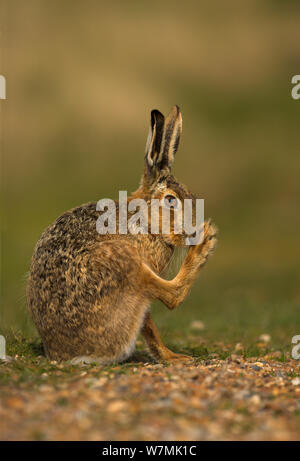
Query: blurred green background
[[82, 77]]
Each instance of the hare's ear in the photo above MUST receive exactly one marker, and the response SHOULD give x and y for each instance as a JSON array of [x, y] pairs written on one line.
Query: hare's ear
[[171, 137], [162, 143], [153, 146]]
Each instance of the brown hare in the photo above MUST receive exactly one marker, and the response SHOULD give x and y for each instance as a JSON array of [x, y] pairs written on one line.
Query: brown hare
[[89, 294]]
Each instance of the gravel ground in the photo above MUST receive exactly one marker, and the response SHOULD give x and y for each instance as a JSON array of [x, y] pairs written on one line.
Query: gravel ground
[[235, 398]]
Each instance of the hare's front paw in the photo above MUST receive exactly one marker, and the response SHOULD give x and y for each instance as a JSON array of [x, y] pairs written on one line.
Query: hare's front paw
[[208, 243], [210, 231]]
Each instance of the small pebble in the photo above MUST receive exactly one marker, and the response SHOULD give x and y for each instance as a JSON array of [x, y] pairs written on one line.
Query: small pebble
[[197, 325], [255, 367], [265, 338], [255, 399]]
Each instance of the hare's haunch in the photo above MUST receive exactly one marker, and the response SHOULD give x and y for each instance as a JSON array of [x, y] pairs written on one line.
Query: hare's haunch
[[89, 294]]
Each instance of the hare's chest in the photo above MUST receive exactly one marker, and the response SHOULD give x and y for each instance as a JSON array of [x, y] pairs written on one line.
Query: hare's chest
[[155, 253], [166, 261]]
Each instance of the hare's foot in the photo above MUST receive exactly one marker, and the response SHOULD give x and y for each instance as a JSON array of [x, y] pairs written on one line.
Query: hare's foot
[[155, 345], [170, 356]]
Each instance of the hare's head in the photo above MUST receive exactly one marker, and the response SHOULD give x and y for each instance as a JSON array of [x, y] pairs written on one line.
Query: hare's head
[[158, 181]]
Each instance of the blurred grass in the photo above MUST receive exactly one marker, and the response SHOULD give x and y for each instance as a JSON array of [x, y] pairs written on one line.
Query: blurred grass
[[81, 80]]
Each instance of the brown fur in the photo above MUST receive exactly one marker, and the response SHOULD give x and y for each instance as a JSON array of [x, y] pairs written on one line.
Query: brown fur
[[89, 294]]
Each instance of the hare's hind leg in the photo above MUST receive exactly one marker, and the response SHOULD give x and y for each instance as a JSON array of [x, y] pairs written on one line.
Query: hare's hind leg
[[155, 345], [116, 343], [114, 315]]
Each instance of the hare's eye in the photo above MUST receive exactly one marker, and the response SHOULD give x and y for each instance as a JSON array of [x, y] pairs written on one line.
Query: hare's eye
[[170, 201]]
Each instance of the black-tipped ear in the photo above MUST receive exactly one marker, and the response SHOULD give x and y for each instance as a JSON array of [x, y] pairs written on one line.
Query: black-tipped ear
[[162, 143], [154, 140], [171, 137]]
